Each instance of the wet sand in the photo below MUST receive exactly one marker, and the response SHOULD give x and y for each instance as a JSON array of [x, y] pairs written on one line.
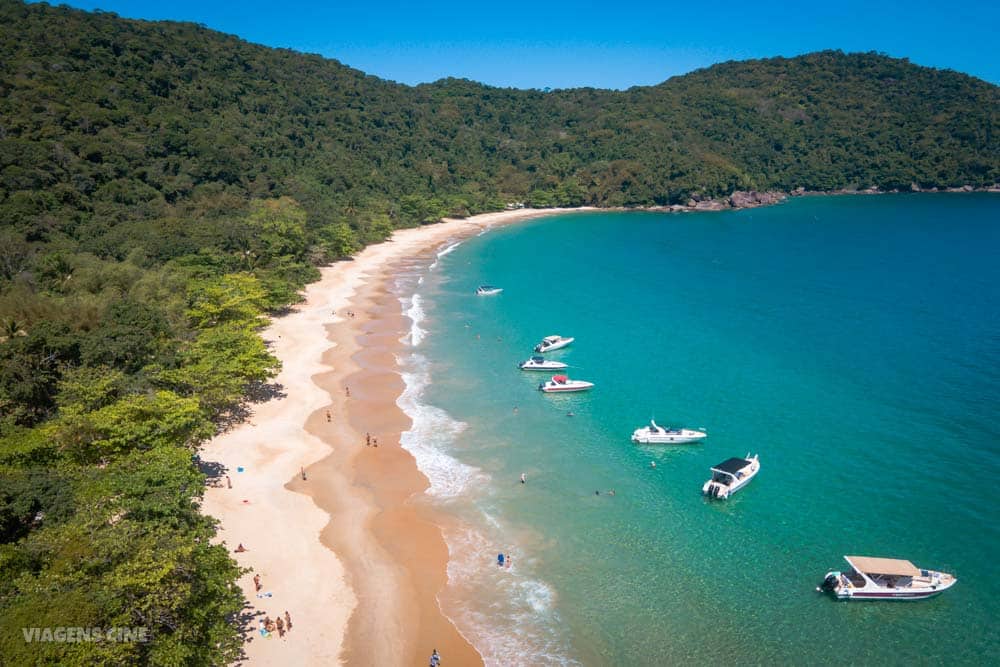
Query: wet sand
[[351, 551]]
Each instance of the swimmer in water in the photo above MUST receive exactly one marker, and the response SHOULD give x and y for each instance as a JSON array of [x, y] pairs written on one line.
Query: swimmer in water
[[522, 478], [652, 464]]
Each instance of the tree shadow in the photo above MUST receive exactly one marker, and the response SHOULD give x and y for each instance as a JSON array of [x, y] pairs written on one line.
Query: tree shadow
[[246, 626], [213, 471], [240, 412]]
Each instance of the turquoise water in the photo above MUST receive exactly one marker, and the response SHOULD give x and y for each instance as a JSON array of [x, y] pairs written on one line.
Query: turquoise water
[[853, 342]]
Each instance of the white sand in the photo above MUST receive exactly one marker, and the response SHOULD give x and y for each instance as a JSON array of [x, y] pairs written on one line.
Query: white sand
[[281, 528]]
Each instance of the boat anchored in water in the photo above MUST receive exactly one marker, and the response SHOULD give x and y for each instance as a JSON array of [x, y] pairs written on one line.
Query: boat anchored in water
[[550, 343], [885, 579], [730, 476], [488, 290], [562, 384], [541, 364], [655, 434]]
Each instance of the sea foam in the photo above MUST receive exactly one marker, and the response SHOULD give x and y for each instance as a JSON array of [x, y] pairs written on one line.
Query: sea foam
[[448, 248], [520, 625], [413, 309], [432, 430]]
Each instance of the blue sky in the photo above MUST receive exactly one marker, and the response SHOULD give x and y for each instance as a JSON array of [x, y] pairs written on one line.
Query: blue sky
[[608, 44]]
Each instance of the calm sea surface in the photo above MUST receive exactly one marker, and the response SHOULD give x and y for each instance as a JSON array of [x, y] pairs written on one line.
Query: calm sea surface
[[853, 342]]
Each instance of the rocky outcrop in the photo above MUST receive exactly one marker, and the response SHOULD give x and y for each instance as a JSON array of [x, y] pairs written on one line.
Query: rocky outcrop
[[751, 199]]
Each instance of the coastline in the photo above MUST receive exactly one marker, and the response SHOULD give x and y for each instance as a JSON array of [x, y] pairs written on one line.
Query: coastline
[[344, 551]]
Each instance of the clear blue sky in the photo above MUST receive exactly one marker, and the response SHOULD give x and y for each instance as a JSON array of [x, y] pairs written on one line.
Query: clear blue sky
[[608, 44]]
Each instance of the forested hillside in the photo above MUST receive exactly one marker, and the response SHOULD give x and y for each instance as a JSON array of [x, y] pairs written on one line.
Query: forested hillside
[[164, 187]]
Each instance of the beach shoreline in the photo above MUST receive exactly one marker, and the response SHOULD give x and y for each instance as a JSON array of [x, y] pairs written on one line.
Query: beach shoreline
[[328, 522]]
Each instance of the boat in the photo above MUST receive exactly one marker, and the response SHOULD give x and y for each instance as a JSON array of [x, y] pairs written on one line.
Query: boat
[[488, 290], [730, 476], [550, 343], [655, 434], [885, 579], [562, 384], [541, 364]]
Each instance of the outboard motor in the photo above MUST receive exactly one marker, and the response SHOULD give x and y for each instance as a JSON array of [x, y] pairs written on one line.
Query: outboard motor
[[829, 584]]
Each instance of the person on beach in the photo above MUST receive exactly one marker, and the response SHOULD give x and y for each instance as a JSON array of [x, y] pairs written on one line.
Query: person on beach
[[347, 391], [522, 478], [240, 549], [256, 582], [302, 471], [288, 620], [281, 627], [435, 658], [374, 442], [229, 482], [368, 439], [328, 418]]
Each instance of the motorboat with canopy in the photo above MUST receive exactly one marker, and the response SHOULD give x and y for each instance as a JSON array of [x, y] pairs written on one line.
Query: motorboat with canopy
[[885, 579], [560, 384], [541, 364], [730, 476], [551, 343], [654, 434]]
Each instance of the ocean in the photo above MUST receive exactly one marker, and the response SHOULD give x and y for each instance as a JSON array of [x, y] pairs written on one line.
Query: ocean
[[853, 342]]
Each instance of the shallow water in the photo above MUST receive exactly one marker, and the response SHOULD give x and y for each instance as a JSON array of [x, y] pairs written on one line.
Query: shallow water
[[853, 342]]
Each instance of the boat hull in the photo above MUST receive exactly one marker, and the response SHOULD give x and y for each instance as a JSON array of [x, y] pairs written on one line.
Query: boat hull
[[843, 588], [643, 437], [548, 369], [555, 346], [564, 390], [726, 491]]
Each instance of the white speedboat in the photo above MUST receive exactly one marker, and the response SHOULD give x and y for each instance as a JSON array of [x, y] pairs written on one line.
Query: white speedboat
[[730, 476], [488, 290], [550, 343], [885, 579], [562, 384], [657, 435], [541, 364]]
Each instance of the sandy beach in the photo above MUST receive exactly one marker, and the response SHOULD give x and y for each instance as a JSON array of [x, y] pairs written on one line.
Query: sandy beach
[[328, 521]]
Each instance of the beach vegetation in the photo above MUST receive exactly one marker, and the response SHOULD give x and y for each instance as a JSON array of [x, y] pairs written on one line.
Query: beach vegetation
[[164, 189]]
